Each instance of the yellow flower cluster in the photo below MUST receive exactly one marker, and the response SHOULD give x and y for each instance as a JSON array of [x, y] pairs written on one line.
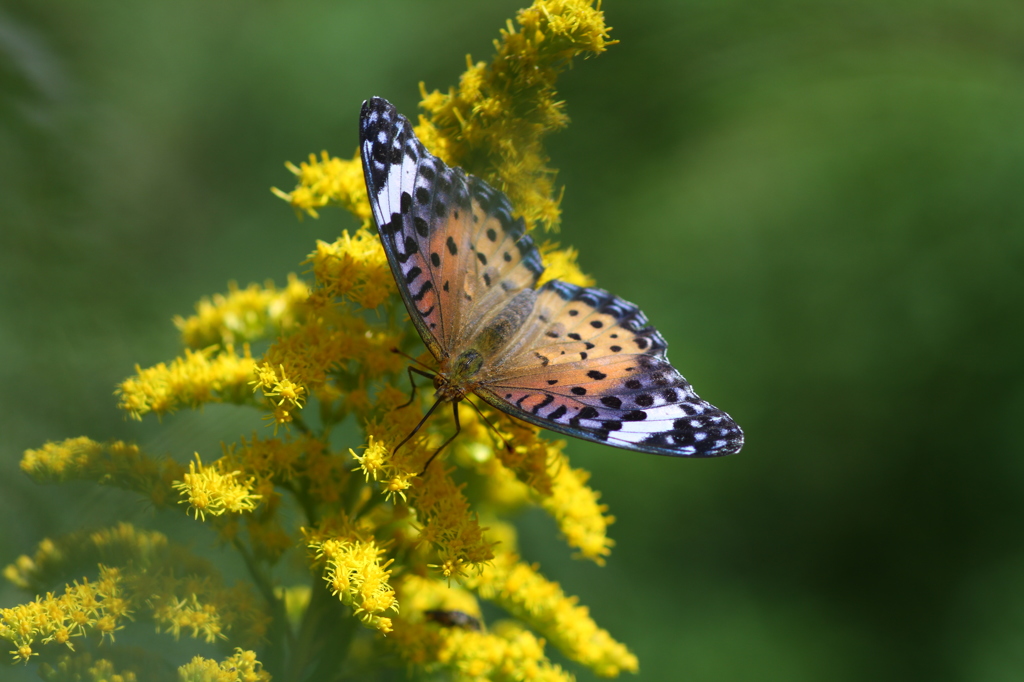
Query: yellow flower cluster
[[575, 508], [326, 181], [199, 605], [381, 529], [119, 545], [524, 593], [86, 607], [448, 523], [208, 490], [83, 667], [354, 573], [204, 376], [153, 579], [507, 652], [240, 667], [494, 122], [560, 263], [117, 463], [354, 266], [244, 315]]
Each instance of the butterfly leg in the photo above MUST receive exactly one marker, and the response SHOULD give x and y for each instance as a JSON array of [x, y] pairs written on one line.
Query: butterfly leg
[[412, 397], [508, 446], [458, 427], [418, 426]]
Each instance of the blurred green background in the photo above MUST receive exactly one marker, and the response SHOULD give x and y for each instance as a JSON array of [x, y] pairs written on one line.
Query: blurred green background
[[820, 204]]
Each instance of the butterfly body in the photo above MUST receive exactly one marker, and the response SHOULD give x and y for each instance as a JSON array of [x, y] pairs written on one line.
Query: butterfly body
[[576, 360]]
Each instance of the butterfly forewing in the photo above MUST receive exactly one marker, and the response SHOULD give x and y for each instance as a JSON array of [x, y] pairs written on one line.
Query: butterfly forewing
[[451, 241], [579, 361]]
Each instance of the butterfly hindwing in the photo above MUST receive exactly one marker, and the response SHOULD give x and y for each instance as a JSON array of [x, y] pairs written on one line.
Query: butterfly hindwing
[[595, 369], [455, 250]]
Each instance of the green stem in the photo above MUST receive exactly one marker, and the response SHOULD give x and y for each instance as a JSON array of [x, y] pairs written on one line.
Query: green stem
[[324, 637], [281, 637]]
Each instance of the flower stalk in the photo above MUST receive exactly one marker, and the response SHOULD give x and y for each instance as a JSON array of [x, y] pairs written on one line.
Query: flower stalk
[[383, 543]]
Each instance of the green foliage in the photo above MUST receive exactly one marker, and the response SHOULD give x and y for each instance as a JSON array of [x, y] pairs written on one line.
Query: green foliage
[[819, 204]]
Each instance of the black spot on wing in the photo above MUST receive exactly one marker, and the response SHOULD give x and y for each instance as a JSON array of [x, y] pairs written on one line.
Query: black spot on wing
[[544, 403], [529, 253], [564, 290], [421, 226], [427, 286], [710, 432]]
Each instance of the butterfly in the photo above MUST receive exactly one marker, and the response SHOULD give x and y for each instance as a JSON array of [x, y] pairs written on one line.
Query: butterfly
[[575, 360]]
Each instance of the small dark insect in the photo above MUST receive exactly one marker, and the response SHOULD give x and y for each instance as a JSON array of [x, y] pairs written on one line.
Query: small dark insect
[[453, 619]]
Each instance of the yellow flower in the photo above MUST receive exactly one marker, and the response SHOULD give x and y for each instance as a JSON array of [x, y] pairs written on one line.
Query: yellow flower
[[84, 607], [82, 666], [355, 574], [209, 375], [403, 549], [328, 180], [117, 463], [374, 462], [493, 123], [240, 667], [560, 263], [523, 592], [207, 490], [244, 315]]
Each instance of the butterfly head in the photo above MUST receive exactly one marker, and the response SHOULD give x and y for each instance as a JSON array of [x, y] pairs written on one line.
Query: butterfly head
[[455, 379]]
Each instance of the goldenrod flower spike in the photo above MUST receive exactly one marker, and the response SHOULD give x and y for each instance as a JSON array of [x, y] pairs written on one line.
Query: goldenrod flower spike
[[200, 377], [207, 490], [241, 667], [328, 180], [116, 463], [393, 550], [244, 315], [575, 508], [355, 574], [493, 123], [522, 591], [87, 607], [82, 666]]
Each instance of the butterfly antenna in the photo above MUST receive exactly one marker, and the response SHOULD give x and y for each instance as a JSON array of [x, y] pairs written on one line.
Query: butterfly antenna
[[508, 446], [409, 357]]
